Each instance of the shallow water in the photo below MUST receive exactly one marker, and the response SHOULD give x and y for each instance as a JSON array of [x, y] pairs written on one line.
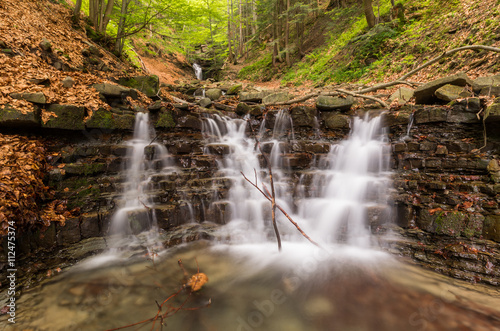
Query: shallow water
[[253, 287]]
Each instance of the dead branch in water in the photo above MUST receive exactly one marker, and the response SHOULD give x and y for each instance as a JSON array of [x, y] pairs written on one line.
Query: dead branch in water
[[192, 284], [271, 196]]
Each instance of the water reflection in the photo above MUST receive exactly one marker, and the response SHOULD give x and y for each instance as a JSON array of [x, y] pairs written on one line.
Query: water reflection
[[253, 287]]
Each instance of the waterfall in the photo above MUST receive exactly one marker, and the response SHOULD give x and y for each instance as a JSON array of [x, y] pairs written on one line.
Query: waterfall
[[198, 71], [344, 194], [144, 160], [350, 187]]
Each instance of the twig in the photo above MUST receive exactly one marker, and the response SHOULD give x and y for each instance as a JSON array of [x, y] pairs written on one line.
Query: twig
[[383, 104]]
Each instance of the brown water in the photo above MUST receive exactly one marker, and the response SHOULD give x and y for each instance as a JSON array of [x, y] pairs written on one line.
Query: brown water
[[252, 287]]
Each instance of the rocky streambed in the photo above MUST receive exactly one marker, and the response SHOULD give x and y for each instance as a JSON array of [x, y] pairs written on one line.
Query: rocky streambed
[[445, 177]]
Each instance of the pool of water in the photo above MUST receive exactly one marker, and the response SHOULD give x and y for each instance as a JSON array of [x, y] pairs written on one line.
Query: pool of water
[[253, 287]]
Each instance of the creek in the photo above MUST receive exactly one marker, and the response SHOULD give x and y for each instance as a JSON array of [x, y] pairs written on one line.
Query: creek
[[347, 284]]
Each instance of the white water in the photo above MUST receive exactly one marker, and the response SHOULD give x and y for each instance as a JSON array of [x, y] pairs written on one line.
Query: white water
[[350, 183], [145, 159], [198, 71], [352, 180]]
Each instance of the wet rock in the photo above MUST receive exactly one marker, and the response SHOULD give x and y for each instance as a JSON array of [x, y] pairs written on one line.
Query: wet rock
[[84, 168], [37, 97], [491, 228], [441, 150], [336, 121], [69, 233], [149, 85], [303, 116], [430, 115], [205, 102], [395, 118], [213, 94], [155, 106], [68, 82], [326, 103], [189, 122], [234, 90], [256, 110], [69, 117], [450, 92], [425, 94], [89, 226], [402, 94], [275, 98], [242, 109], [165, 119], [11, 117]]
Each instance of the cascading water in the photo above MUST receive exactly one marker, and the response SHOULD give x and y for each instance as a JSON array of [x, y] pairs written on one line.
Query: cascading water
[[351, 183], [144, 159], [198, 71]]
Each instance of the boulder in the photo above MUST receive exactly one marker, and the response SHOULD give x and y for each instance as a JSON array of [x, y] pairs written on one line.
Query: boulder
[[189, 122], [235, 89], [450, 92], [275, 98], [106, 120], [256, 110], [403, 94], [395, 118], [205, 102], [252, 96], [336, 121], [303, 116], [68, 82], [111, 90], [472, 105], [327, 103], [46, 45], [425, 94], [11, 117], [213, 94], [149, 85], [483, 84], [37, 97], [67, 117], [242, 109], [492, 112]]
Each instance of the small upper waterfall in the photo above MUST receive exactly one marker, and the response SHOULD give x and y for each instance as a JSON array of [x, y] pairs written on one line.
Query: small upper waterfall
[[198, 71], [143, 160]]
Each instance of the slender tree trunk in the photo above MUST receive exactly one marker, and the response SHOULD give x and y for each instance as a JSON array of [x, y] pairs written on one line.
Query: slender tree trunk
[[121, 27], [370, 17], [287, 34], [254, 17], [107, 16], [229, 18], [240, 45], [76, 10]]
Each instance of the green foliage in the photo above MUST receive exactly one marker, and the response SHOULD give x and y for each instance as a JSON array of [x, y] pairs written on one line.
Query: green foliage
[[259, 70]]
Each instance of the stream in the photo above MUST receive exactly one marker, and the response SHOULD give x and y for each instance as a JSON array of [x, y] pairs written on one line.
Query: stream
[[346, 282]]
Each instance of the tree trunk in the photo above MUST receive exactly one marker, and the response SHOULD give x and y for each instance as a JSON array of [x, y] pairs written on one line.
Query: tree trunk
[[121, 28], [287, 34], [229, 18], [240, 46], [106, 17], [370, 17], [76, 10]]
